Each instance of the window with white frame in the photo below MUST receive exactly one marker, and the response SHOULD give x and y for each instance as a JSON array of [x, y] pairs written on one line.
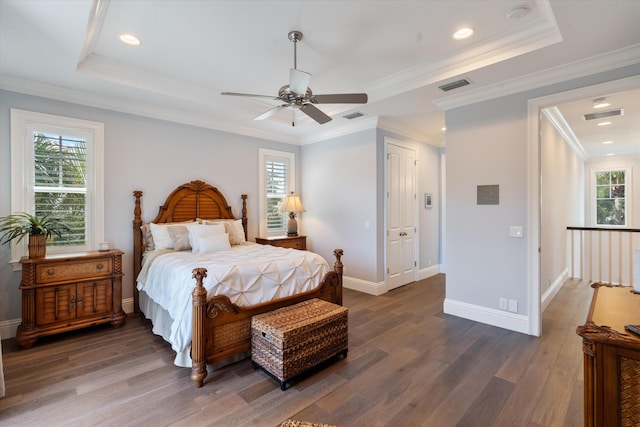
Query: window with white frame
[[611, 197], [57, 169], [277, 177]]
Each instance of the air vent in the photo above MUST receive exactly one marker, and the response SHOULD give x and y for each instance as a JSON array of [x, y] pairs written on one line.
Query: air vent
[[603, 114], [353, 115], [454, 85]]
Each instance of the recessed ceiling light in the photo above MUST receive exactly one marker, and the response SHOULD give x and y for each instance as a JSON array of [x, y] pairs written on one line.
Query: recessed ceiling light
[[129, 39], [604, 123], [463, 33], [600, 103], [443, 129], [607, 142], [611, 154]]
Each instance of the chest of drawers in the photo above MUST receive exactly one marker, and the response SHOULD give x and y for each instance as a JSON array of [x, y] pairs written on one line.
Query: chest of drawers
[[65, 292]]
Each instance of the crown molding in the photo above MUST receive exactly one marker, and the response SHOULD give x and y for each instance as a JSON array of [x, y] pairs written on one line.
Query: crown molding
[[560, 124], [596, 64], [358, 125]]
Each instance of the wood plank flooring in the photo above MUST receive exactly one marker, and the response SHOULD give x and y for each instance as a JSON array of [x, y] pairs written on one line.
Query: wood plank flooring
[[408, 365]]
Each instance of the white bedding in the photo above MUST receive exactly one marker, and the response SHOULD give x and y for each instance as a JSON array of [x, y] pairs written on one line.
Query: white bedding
[[248, 274]]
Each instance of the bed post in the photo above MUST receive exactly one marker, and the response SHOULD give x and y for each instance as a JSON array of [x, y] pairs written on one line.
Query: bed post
[[244, 215], [338, 268], [137, 247], [199, 302]]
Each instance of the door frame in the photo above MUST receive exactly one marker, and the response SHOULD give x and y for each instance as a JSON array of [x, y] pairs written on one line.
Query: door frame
[[416, 245], [535, 107]]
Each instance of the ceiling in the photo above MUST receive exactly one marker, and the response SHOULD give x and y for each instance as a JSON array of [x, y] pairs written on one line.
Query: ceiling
[[398, 52]]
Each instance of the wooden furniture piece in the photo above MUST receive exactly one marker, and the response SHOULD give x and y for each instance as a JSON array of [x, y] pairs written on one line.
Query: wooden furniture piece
[[71, 291], [293, 242], [288, 341], [611, 358], [221, 329]]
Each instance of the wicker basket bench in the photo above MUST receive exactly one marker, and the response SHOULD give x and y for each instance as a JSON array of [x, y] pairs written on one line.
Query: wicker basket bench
[[288, 341]]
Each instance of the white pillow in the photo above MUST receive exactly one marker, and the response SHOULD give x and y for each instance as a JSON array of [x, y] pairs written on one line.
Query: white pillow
[[233, 227], [161, 237], [213, 242], [197, 231]]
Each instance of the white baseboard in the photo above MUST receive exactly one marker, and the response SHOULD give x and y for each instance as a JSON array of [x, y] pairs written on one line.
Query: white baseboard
[[425, 273], [551, 292], [9, 328], [367, 287], [502, 319]]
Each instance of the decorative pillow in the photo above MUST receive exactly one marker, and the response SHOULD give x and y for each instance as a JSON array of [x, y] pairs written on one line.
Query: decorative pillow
[[161, 237], [197, 231], [147, 239], [180, 236], [233, 227], [213, 242], [161, 231]]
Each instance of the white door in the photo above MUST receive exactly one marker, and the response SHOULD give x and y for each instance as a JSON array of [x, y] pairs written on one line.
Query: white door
[[401, 226]]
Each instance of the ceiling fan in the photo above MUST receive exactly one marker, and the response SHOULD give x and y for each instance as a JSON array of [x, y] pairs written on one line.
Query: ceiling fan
[[298, 95]]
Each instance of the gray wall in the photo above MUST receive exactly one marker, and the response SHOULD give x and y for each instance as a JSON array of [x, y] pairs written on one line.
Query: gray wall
[[140, 154], [487, 144]]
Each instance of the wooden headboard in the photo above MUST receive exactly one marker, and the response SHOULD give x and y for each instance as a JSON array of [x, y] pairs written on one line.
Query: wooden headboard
[[195, 199]]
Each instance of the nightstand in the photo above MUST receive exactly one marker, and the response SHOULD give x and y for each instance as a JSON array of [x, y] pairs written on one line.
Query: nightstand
[[293, 242], [61, 293]]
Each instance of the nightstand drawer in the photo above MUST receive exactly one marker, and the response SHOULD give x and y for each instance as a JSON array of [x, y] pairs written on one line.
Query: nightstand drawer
[[47, 273], [292, 242]]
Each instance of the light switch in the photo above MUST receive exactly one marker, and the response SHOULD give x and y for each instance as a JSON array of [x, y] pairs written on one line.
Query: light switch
[[516, 231]]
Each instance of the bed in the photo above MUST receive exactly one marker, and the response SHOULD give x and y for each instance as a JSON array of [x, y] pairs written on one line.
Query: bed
[[220, 324]]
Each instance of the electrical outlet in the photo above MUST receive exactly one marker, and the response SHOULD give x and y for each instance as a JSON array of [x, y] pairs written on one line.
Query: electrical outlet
[[503, 304], [513, 305]]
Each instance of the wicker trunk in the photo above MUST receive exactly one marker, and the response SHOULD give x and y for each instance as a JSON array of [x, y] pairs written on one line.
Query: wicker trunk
[[290, 340]]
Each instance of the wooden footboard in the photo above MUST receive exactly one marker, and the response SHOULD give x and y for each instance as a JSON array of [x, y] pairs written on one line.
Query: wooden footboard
[[222, 329]]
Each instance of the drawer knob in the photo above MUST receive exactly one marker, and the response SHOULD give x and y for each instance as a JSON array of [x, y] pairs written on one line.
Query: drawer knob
[[51, 272], [99, 266]]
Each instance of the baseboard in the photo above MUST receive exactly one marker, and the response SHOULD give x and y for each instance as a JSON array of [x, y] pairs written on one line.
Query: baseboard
[[551, 292], [502, 319], [425, 273], [9, 328], [367, 287]]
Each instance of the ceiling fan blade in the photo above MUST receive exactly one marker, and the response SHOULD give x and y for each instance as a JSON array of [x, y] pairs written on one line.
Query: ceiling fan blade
[[299, 81], [340, 98], [249, 95], [271, 112], [315, 113]]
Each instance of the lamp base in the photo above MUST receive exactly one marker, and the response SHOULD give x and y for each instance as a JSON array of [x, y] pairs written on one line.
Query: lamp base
[[292, 227]]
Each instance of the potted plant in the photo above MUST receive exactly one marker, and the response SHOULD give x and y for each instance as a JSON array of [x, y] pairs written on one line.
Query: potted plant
[[38, 228]]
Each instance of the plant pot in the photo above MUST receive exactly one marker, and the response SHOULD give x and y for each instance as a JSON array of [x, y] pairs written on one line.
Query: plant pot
[[37, 246]]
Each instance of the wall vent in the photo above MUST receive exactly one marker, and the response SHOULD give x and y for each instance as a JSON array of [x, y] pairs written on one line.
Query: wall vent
[[454, 85], [353, 115], [603, 114]]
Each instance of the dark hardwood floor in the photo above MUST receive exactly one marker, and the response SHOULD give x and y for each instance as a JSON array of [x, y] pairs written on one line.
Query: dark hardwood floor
[[408, 365]]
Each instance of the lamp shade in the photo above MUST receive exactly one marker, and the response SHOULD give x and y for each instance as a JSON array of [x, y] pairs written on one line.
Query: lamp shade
[[292, 203]]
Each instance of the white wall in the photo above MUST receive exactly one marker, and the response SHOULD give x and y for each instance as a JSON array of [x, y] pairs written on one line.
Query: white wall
[[562, 201]]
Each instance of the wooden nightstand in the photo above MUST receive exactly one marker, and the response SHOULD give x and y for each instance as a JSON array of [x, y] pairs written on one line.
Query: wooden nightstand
[[65, 292], [293, 242]]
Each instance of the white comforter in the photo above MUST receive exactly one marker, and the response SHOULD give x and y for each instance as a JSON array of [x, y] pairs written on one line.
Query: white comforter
[[248, 274]]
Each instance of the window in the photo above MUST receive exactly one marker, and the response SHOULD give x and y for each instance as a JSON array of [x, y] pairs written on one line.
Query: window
[[277, 173], [611, 197], [57, 169]]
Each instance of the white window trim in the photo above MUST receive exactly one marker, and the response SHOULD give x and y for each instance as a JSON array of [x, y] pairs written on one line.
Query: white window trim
[[628, 192], [22, 178], [262, 197]]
